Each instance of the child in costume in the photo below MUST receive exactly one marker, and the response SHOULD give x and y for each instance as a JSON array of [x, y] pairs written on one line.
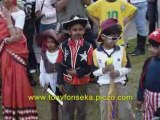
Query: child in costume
[[75, 60], [110, 34], [48, 73], [149, 87]]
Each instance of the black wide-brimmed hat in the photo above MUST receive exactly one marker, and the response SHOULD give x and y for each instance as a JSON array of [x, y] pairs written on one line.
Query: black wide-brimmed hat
[[75, 19]]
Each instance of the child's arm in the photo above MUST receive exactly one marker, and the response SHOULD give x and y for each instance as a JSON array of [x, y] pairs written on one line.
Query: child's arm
[[129, 12], [94, 20], [60, 67], [126, 65], [141, 88]]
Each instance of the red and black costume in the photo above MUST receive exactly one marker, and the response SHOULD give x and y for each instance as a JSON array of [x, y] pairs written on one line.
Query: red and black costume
[[75, 55]]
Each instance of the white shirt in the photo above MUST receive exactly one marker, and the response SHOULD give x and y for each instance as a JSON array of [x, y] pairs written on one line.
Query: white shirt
[[137, 1], [45, 77], [109, 51], [117, 56], [19, 18], [48, 10]]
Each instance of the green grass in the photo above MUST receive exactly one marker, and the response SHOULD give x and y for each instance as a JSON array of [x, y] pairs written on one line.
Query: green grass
[[92, 107]]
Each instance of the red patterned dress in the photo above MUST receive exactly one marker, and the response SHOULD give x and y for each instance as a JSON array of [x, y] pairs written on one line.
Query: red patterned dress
[[15, 84]]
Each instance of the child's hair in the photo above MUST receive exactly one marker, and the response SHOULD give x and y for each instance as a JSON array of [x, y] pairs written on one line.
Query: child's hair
[[53, 40], [154, 43], [77, 22], [115, 29]]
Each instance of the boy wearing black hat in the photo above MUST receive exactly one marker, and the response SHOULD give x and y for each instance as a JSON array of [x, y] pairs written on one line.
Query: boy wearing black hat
[[111, 33], [75, 60], [149, 87]]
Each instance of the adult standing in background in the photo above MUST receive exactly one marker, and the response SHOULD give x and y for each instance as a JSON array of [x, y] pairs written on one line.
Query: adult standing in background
[[140, 21], [46, 10], [152, 15], [29, 30], [77, 7]]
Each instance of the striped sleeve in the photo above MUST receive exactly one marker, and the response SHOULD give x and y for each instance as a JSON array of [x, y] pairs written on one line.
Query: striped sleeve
[[95, 61], [96, 70]]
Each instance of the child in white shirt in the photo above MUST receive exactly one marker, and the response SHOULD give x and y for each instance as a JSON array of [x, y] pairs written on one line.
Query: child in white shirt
[[48, 74]]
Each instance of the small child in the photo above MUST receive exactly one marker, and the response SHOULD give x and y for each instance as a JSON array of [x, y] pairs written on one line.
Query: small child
[[110, 34], [149, 87], [48, 73], [75, 60]]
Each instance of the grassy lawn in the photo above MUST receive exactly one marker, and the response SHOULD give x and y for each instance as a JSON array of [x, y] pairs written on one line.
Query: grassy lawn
[[93, 106]]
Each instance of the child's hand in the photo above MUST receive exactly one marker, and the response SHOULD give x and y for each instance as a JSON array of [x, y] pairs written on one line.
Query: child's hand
[[61, 89], [114, 74], [104, 70], [139, 105], [72, 72]]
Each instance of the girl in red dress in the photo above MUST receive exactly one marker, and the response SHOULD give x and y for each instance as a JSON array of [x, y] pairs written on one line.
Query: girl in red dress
[[13, 53]]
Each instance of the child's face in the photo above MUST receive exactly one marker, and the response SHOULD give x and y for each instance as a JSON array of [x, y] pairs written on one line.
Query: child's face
[[155, 51], [110, 40], [77, 31], [51, 44]]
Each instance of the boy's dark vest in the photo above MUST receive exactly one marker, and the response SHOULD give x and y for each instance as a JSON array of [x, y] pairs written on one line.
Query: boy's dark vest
[[49, 67], [67, 61]]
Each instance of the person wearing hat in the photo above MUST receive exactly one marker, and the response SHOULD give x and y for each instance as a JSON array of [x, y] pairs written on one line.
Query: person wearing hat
[[74, 67], [104, 9], [148, 92], [77, 7], [110, 34], [48, 72]]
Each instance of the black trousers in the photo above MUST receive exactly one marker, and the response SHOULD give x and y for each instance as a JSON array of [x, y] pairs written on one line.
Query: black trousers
[[29, 33], [152, 15]]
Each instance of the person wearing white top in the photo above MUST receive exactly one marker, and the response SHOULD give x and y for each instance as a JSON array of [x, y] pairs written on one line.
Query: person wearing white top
[[47, 10], [48, 73], [140, 21], [45, 77]]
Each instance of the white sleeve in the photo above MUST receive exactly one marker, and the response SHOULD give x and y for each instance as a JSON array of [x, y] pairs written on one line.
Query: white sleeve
[[42, 79], [98, 72], [20, 19], [124, 71]]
